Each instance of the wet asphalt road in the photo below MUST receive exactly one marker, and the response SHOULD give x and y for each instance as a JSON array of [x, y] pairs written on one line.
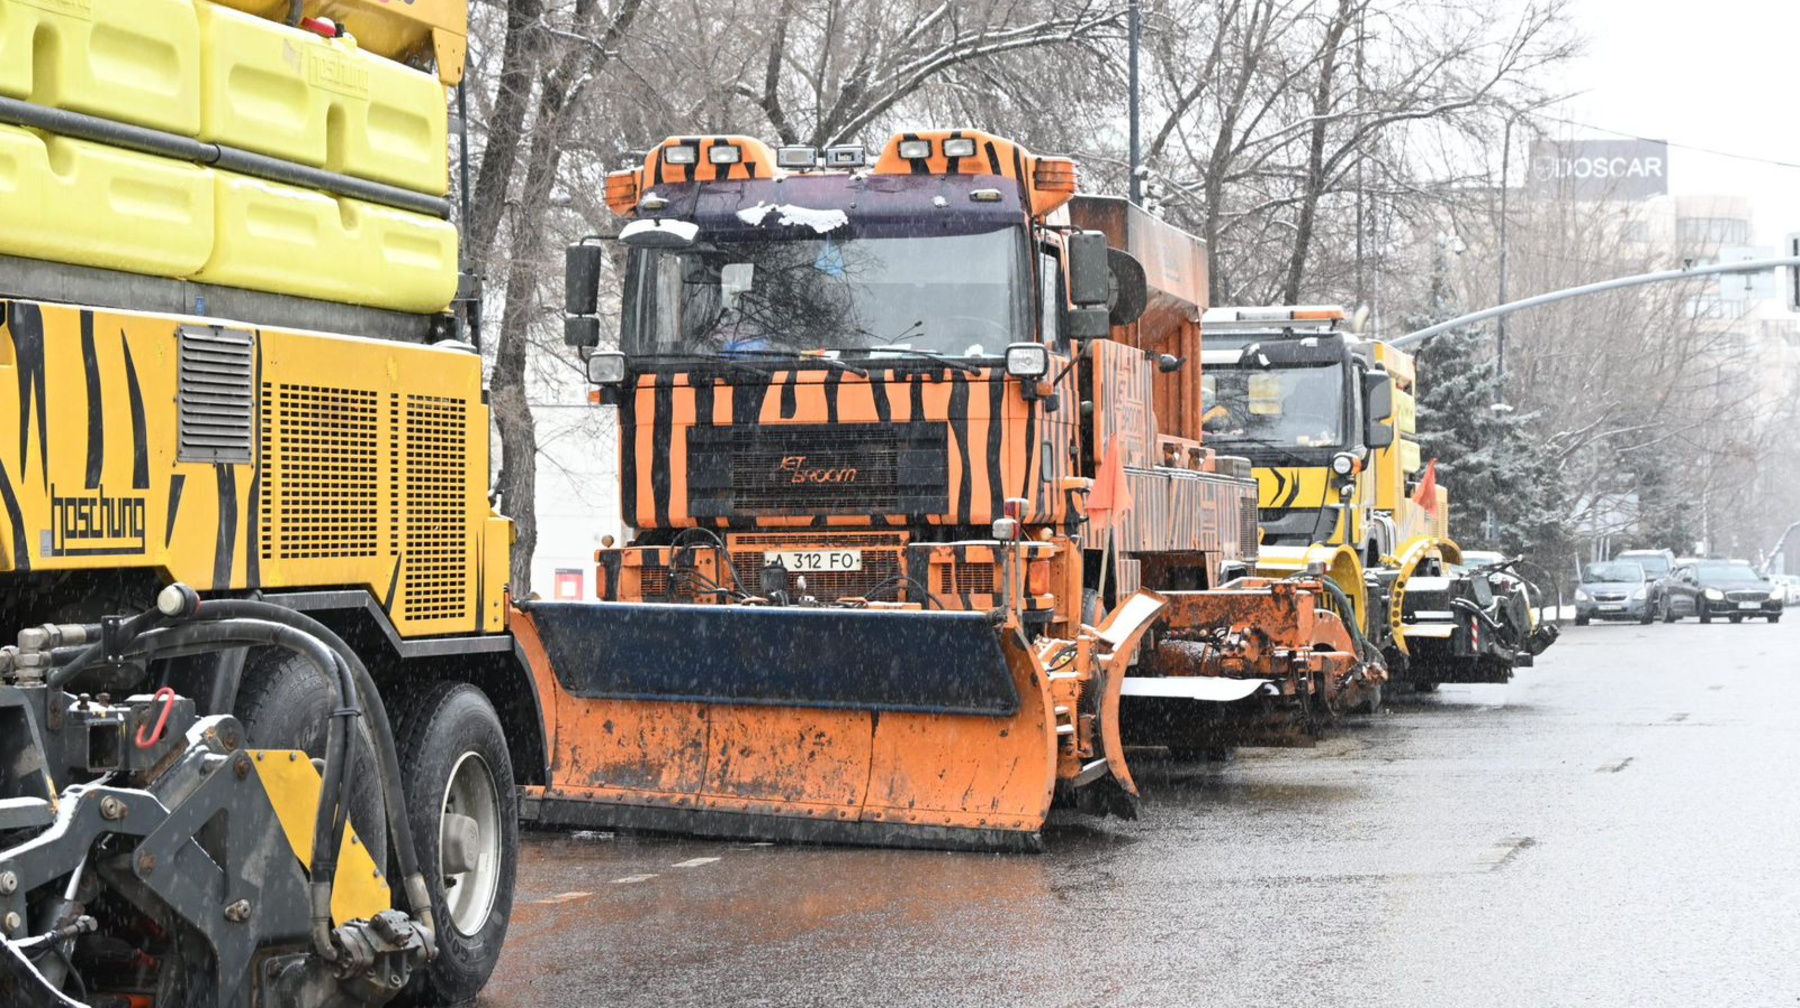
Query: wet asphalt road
[[1619, 826]]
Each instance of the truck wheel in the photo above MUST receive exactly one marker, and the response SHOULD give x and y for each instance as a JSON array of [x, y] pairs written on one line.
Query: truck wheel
[[285, 703], [464, 811]]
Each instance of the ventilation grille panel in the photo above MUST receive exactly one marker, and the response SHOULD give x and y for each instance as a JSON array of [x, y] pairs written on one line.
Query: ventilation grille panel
[[435, 583], [321, 476], [215, 409]]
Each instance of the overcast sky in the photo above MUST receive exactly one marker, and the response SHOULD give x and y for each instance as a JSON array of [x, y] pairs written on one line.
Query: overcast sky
[[1721, 74]]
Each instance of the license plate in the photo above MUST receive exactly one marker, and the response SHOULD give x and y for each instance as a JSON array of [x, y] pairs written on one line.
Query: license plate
[[1612, 608], [1749, 605], [815, 561]]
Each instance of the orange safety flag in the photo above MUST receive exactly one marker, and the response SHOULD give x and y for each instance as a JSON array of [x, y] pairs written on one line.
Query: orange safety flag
[[1425, 495], [1112, 491]]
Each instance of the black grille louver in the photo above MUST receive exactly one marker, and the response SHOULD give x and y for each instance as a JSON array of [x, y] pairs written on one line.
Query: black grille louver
[[823, 469], [214, 400]]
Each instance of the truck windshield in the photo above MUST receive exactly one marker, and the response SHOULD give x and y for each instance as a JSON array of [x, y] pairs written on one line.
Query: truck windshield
[[1294, 405], [960, 295]]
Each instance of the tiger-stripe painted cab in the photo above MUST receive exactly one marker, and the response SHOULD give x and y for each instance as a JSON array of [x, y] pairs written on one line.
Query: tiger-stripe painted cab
[[876, 415]]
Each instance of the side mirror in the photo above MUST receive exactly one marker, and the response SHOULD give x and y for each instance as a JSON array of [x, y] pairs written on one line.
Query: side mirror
[[1089, 323], [1130, 288], [582, 264], [581, 331], [1090, 278], [1378, 395]]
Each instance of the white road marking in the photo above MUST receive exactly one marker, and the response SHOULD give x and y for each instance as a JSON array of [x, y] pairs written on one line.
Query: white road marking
[[694, 862], [564, 897], [633, 878]]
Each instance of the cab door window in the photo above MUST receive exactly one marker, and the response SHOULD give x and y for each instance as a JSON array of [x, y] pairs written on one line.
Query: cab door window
[[1050, 297]]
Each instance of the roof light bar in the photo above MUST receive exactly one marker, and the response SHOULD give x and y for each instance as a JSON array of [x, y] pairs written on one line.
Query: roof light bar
[[848, 156], [797, 157]]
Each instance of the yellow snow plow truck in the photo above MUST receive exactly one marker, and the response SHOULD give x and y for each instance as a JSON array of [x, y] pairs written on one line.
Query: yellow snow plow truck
[[249, 746], [1328, 419]]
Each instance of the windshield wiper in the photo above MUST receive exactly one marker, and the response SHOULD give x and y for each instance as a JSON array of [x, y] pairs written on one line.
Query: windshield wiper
[[962, 365], [797, 355], [701, 358], [1274, 446]]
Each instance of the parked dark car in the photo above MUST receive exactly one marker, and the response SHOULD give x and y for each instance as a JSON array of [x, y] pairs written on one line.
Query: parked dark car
[[1659, 565], [1612, 590], [1729, 588]]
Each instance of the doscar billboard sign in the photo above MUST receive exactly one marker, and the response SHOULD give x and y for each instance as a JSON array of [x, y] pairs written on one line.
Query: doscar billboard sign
[[1600, 169]]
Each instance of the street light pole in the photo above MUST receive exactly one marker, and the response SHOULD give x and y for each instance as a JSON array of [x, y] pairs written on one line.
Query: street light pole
[[1134, 17], [1505, 191], [1712, 269], [1769, 561]]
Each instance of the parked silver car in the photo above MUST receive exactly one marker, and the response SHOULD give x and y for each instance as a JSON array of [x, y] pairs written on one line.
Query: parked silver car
[[1613, 590]]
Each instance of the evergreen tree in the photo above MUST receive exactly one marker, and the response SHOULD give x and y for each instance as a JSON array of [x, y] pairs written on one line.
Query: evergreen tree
[[1506, 490]]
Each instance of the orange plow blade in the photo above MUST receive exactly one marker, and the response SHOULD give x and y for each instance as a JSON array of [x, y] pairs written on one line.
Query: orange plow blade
[[920, 729]]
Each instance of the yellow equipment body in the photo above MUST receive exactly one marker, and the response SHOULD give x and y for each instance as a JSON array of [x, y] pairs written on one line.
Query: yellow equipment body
[[235, 457]]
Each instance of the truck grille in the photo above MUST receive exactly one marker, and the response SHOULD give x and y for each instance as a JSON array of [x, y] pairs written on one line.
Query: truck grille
[[818, 469]]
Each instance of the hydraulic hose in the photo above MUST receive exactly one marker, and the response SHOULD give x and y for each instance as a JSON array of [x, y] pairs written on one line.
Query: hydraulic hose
[[418, 897], [333, 792], [129, 631], [1352, 618]]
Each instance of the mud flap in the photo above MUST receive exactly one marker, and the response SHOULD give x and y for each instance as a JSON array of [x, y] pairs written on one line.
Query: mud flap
[[1121, 631]]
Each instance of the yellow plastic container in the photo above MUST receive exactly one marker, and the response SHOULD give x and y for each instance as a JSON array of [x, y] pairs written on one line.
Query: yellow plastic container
[[76, 202], [291, 94], [137, 61], [278, 238], [408, 32]]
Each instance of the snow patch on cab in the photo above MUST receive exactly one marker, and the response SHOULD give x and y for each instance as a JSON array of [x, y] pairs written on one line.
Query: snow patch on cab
[[791, 215]]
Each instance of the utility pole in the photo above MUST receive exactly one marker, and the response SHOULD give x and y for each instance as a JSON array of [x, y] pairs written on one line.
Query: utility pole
[[1134, 19]]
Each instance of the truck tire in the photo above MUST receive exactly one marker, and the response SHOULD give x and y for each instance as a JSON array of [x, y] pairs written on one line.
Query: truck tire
[[454, 759], [285, 703]]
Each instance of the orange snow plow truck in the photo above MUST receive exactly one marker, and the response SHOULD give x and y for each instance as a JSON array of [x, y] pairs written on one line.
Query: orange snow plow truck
[[925, 535]]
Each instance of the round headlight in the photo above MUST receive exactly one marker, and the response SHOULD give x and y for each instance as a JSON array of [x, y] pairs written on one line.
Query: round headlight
[[1343, 464]]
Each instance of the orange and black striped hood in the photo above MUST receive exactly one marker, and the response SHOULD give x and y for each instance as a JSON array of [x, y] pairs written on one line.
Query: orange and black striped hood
[[904, 446]]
